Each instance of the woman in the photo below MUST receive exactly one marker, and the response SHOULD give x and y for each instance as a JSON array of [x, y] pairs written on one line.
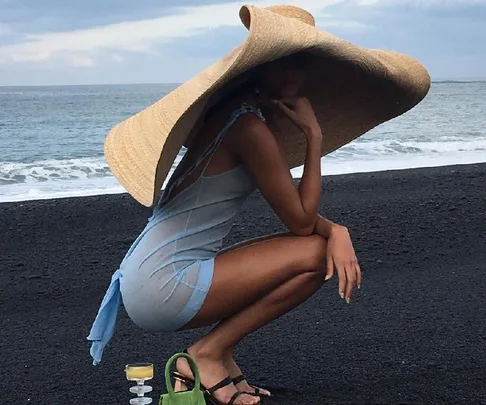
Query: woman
[[177, 264]]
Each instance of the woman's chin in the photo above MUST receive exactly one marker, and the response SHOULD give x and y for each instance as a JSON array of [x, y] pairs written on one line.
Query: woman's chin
[[291, 91], [283, 92]]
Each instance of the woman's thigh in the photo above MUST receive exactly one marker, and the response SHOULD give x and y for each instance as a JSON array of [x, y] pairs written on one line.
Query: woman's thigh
[[244, 274], [254, 241]]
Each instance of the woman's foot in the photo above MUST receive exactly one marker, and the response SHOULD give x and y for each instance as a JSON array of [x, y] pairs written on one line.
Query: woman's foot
[[212, 371], [235, 371]]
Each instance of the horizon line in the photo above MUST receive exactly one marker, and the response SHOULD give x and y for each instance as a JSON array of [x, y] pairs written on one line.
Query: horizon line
[[437, 80]]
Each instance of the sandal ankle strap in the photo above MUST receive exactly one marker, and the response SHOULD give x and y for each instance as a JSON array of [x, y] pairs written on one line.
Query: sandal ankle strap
[[221, 384], [239, 379], [234, 396]]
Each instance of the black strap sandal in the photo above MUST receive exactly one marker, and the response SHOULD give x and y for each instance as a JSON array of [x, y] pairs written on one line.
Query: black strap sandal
[[236, 380], [188, 382], [208, 392], [257, 392], [225, 382]]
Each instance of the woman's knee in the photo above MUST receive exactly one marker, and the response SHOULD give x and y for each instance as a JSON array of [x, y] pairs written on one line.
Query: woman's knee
[[314, 251]]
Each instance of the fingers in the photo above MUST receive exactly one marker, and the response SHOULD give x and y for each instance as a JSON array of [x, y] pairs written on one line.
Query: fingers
[[342, 280], [349, 277], [290, 102], [330, 268], [351, 281], [358, 275], [288, 111]]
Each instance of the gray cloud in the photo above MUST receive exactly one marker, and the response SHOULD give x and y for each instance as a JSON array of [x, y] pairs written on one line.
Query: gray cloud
[[211, 44], [34, 16], [448, 40]]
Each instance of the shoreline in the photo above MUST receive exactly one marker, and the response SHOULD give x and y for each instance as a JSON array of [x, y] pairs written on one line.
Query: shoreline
[[122, 191], [414, 333]]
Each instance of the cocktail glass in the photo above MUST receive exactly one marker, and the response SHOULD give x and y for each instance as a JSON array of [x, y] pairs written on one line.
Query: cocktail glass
[[140, 372]]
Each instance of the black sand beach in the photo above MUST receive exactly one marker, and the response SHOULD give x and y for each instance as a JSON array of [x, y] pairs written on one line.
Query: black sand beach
[[414, 334]]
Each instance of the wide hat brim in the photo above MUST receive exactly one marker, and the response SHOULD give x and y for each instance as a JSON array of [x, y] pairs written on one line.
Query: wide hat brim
[[352, 90]]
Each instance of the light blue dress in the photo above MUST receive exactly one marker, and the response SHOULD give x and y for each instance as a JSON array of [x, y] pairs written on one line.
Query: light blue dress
[[166, 274]]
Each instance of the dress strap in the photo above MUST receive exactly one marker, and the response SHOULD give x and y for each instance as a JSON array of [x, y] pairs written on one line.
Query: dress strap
[[211, 148], [245, 108]]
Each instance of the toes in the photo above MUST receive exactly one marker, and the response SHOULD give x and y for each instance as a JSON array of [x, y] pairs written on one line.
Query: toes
[[265, 392], [261, 391], [246, 399], [252, 400]]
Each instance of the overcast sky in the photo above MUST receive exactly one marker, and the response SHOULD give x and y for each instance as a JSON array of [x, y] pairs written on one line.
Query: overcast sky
[[168, 41]]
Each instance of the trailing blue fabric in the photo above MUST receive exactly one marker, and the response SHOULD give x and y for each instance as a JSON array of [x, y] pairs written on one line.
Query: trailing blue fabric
[[104, 324]]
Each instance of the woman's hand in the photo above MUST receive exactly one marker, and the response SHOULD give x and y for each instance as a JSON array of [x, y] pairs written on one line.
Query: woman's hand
[[301, 113], [340, 254]]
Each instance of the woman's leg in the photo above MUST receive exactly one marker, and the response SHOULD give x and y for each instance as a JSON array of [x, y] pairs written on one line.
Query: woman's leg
[[229, 361], [254, 240], [252, 285]]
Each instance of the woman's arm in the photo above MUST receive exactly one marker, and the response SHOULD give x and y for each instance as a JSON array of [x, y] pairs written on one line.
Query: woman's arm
[[324, 227], [253, 142], [310, 183]]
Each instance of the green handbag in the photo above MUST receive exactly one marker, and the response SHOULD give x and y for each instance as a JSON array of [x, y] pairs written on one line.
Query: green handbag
[[190, 397]]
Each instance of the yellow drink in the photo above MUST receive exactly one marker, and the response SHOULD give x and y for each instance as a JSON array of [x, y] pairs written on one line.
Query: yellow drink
[[139, 371]]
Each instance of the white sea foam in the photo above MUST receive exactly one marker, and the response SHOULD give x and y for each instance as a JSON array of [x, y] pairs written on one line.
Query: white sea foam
[[396, 147], [80, 177]]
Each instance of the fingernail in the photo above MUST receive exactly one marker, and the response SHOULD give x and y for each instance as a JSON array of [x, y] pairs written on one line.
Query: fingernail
[[348, 300], [327, 277], [341, 295]]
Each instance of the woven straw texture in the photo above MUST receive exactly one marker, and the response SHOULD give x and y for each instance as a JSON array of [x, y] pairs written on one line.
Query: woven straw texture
[[352, 89]]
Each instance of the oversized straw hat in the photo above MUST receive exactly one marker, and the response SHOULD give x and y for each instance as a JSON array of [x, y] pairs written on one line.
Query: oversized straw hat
[[352, 90]]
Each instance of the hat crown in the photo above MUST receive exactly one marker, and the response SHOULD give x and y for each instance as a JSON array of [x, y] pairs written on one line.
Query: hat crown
[[293, 12], [283, 10]]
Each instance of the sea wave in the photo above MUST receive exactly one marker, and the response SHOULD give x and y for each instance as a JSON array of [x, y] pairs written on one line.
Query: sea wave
[[56, 171], [53, 170], [406, 147], [84, 184]]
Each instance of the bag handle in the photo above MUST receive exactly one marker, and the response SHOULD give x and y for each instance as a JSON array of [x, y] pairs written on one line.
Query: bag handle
[[194, 369]]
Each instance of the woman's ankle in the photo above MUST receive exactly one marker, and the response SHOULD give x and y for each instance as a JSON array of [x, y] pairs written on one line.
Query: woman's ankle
[[203, 350]]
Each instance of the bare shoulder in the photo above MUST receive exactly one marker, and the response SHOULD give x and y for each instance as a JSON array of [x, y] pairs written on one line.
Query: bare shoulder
[[249, 121], [251, 133]]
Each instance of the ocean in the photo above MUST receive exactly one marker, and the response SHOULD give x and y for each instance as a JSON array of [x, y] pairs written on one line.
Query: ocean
[[51, 138]]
